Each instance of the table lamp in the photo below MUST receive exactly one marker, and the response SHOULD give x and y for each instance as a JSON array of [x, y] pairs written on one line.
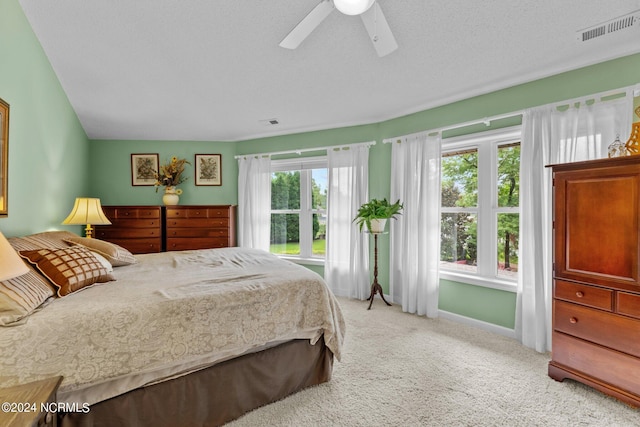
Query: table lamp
[[10, 263], [87, 211]]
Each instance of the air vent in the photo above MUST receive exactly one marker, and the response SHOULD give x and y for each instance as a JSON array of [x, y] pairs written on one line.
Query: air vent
[[269, 122], [625, 22]]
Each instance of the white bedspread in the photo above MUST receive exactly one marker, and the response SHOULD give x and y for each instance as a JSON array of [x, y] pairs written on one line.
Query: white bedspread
[[169, 314]]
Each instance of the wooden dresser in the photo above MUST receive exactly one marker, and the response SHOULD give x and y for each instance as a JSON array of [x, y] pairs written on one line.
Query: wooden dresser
[[596, 291], [145, 229], [199, 227], [136, 228]]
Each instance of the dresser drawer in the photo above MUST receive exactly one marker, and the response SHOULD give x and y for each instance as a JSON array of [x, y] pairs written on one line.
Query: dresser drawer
[[131, 212], [127, 233], [140, 246], [584, 294], [628, 304], [198, 232], [605, 365], [197, 212], [183, 244], [612, 330], [198, 223]]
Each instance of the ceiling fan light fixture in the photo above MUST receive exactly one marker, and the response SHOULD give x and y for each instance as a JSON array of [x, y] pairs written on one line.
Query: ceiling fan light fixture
[[353, 7]]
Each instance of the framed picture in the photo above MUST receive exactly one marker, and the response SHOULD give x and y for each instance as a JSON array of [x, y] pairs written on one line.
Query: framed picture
[[144, 168], [208, 169], [4, 157]]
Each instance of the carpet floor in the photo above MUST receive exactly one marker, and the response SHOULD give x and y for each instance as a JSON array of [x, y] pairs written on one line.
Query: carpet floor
[[400, 369]]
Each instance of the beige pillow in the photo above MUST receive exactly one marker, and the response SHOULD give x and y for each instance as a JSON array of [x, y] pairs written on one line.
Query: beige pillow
[[105, 263], [46, 239], [69, 269], [116, 255], [22, 295]]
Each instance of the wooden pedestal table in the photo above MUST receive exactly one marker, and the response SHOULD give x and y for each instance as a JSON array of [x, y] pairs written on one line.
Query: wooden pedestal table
[[375, 286]]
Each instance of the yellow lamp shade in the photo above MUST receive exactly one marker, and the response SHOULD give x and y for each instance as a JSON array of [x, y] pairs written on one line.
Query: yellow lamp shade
[[11, 265], [87, 211]]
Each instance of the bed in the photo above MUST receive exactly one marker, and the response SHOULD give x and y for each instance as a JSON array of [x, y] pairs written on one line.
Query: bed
[[175, 338]]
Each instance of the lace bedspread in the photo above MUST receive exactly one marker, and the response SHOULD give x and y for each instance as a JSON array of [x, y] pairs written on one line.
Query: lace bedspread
[[169, 314]]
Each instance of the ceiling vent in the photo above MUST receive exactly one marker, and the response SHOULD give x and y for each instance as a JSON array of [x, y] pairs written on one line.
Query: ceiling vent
[[615, 25], [270, 122]]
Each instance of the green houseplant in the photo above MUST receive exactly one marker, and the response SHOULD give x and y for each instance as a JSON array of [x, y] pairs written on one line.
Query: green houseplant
[[375, 214]]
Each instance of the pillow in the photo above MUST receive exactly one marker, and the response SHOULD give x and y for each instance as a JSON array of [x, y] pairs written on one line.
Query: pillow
[[47, 239], [69, 269], [22, 295], [116, 255], [105, 263]]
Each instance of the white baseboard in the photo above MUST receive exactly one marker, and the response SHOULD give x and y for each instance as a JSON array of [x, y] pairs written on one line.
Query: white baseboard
[[496, 329]]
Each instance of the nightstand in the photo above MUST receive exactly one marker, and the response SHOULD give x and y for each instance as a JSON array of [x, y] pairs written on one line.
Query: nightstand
[[22, 404]]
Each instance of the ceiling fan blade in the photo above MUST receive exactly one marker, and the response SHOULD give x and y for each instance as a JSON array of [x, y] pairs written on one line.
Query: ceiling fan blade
[[307, 25], [379, 31]]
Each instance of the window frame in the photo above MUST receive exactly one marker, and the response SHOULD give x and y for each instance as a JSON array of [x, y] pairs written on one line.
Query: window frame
[[305, 165], [486, 144]]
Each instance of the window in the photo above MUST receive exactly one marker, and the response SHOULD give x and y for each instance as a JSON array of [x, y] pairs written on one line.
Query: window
[[480, 215], [299, 207]]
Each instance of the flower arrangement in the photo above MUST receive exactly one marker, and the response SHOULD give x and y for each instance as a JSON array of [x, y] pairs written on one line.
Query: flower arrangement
[[170, 174]]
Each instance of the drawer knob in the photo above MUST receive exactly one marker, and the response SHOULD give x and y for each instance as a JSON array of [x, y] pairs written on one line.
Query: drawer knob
[[573, 320], [579, 294]]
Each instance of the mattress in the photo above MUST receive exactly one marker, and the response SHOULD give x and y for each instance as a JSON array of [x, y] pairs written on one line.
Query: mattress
[[167, 315]]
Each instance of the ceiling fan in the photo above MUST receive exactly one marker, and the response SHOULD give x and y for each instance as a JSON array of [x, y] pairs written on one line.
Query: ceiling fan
[[370, 12]]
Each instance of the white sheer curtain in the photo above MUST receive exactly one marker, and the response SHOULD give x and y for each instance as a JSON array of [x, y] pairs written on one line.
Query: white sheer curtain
[[415, 235], [551, 135], [254, 202], [346, 268]]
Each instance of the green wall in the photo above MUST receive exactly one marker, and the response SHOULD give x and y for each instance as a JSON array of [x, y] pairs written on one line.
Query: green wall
[[111, 172], [485, 304], [48, 148], [52, 161]]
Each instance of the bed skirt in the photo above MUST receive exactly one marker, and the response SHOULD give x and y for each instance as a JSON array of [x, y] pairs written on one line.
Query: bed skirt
[[215, 395]]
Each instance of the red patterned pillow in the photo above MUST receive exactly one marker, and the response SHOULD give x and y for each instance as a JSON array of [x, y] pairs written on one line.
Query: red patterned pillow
[[69, 269]]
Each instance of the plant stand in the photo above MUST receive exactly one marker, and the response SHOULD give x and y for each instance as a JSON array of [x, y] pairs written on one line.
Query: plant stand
[[375, 286]]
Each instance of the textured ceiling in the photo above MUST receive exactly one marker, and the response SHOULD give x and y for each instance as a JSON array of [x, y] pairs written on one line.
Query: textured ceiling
[[211, 70]]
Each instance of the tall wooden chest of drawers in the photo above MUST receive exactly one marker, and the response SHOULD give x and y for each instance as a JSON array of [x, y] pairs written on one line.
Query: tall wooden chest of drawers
[[200, 227], [136, 228], [596, 291]]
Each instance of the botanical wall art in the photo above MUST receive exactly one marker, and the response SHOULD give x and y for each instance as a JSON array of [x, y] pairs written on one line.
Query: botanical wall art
[[4, 157], [208, 169], [144, 169]]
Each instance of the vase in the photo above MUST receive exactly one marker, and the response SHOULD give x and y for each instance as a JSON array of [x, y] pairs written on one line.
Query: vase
[[171, 196], [378, 225]]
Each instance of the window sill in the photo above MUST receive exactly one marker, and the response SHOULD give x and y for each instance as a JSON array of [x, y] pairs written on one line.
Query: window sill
[[496, 283], [303, 261]]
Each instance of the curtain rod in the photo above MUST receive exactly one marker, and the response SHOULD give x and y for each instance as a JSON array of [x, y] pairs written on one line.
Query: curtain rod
[[487, 121], [306, 150], [634, 90]]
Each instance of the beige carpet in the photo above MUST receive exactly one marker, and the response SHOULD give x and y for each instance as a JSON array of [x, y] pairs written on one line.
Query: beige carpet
[[403, 370]]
